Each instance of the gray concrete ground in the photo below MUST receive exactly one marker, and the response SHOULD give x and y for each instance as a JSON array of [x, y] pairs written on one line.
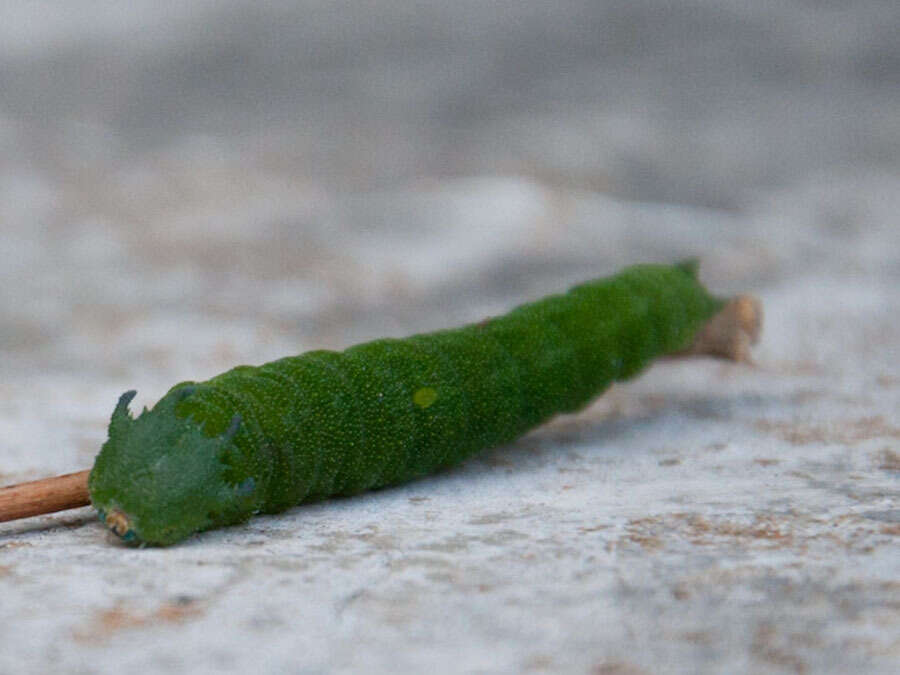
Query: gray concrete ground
[[188, 186]]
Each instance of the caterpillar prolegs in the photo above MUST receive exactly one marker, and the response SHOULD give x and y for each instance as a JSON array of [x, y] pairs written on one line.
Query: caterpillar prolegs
[[262, 439]]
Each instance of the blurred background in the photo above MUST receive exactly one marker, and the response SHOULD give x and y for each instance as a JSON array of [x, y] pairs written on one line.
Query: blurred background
[[323, 167], [185, 186]]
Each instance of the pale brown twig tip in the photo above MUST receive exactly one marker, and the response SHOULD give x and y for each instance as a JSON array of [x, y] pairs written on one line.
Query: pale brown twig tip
[[731, 332]]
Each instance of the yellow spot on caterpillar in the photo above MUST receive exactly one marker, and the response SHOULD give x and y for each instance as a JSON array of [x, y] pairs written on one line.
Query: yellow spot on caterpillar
[[425, 396]]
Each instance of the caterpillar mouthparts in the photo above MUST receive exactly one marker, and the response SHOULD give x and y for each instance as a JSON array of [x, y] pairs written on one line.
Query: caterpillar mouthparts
[[118, 523]]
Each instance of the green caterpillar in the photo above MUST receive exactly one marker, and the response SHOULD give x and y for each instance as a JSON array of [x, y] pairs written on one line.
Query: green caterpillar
[[263, 439]]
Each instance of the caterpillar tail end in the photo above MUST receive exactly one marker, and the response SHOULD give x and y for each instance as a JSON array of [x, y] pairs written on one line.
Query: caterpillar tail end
[[690, 266], [732, 331]]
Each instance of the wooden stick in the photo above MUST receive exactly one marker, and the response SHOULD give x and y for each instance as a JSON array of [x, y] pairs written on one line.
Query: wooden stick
[[731, 332], [44, 496], [728, 335]]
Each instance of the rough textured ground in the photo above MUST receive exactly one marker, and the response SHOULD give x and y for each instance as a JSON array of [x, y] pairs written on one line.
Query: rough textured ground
[[185, 187]]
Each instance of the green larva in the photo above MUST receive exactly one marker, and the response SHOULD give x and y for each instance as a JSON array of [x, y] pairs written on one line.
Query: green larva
[[263, 439]]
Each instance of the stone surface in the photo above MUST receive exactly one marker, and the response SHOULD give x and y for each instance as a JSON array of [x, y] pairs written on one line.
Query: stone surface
[[174, 202]]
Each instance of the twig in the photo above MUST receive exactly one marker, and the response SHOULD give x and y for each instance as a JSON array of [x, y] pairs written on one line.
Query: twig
[[44, 496], [731, 332]]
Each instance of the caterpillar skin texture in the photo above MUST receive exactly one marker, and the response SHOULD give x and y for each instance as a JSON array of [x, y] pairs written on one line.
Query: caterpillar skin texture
[[262, 439]]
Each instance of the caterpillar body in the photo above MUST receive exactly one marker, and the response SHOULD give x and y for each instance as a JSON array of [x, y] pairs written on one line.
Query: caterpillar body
[[262, 439]]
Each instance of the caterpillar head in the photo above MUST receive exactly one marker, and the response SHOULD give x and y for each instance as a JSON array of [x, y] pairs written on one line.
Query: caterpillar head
[[159, 478]]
